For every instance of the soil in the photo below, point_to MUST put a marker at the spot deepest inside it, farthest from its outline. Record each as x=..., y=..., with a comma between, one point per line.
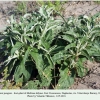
x=92, y=79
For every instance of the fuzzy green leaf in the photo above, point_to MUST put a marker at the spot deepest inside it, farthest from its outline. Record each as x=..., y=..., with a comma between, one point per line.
x=65, y=80
x=17, y=46
x=32, y=85
x=81, y=70
x=23, y=72
x=26, y=55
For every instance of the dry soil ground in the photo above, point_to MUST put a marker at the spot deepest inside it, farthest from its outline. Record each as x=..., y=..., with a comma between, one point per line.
x=92, y=79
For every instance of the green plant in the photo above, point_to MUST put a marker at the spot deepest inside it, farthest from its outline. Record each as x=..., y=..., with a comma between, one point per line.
x=56, y=5
x=29, y=46
x=97, y=1
x=56, y=49
x=21, y=7
x=8, y=84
